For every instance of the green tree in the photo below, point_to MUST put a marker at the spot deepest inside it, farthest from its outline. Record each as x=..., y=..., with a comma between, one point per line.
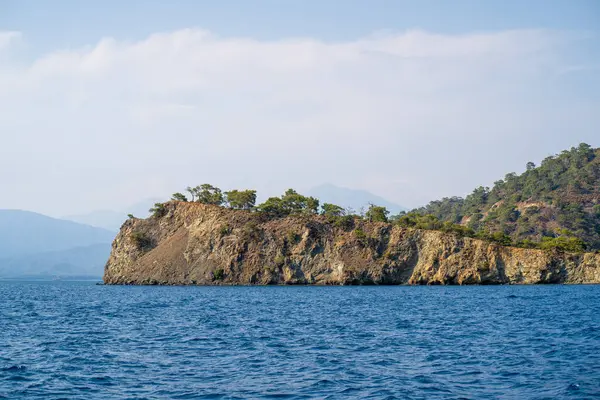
x=179, y=197
x=295, y=203
x=377, y=213
x=563, y=243
x=273, y=206
x=158, y=210
x=218, y=274
x=192, y=191
x=332, y=210
x=208, y=194
x=241, y=199
x=312, y=205
x=290, y=203
x=500, y=238
x=361, y=236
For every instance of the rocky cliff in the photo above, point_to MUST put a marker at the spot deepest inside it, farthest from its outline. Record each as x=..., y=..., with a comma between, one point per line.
x=192, y=243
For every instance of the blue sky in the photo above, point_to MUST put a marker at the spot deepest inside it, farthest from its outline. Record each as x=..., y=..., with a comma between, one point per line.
x=109, y=102
x=75, y=23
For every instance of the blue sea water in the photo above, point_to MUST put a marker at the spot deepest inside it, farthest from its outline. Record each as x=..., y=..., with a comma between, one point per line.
x=76, y=340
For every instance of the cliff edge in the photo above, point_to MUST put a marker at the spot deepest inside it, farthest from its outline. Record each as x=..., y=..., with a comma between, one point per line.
x=192, y=243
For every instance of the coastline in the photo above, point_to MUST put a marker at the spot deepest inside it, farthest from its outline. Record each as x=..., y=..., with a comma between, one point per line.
x=197, y=244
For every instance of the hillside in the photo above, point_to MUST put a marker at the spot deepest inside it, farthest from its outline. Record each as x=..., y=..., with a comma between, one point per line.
x=192, y=243
x=24, y=232
x=35, y=246
x=75, y=262
x=556, y=202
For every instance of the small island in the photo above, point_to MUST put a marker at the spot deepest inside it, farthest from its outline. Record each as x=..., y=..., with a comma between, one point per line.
x=542, y=226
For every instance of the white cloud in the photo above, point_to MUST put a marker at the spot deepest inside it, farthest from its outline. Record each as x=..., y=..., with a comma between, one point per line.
x=117, y=121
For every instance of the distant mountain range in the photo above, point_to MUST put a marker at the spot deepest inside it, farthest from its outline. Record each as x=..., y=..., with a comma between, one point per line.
x=111, y=219
x=352, y=198
x=33, y=244
x=87, y=261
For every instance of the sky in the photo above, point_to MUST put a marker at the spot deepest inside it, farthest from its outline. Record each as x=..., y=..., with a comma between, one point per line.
x=106, y=103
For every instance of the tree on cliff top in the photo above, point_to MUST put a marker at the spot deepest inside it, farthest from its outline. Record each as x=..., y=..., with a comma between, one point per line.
x=377, y=213
x=241, y=199
x=208, y=194
x=290, y=203
x=332, y=210
x=179, y=197
x=158, y=210
x=192, y=192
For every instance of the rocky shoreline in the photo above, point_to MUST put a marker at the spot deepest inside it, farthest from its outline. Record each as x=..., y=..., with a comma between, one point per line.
x=198, y=244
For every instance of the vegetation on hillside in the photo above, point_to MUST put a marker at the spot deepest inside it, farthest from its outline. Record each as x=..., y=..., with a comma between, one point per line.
x=292, y=203
x=555, y=205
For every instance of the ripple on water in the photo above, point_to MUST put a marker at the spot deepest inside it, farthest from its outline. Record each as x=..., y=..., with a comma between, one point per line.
x=79, y=340
x=14, y=368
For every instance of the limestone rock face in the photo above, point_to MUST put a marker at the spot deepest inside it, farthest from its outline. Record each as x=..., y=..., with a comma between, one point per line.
x=193, y=243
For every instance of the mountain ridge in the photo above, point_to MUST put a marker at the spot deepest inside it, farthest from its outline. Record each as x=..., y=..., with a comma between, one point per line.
x=26, y=232
x=33, y=243
x=77, y=261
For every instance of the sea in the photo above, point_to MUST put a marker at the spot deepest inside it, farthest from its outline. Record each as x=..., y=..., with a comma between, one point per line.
x=79, y=340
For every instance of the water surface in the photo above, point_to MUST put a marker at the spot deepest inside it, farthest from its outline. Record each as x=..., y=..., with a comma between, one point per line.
x=77, y=340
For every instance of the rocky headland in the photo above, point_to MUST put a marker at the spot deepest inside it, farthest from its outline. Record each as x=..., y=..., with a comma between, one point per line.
x=199, y=244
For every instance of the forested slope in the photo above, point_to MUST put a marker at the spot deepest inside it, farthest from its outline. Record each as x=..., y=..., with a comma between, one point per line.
x=557, y=202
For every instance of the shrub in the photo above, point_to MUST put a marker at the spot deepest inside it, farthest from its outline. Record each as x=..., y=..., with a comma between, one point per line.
x=279, y=260
x=344, y=222
x=414, y=220
x=251, y=231
x=531, y=210
x=158, y=210
x=496, y=237
x=528, y=244
x=460, y=230
x=293, y=237
x=224, y=230
x=141, y=240
x=218, y=274
x=562, y=243
x=361, y=236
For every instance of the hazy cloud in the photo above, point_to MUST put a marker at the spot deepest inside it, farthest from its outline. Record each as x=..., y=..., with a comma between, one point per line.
x=410, y=116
